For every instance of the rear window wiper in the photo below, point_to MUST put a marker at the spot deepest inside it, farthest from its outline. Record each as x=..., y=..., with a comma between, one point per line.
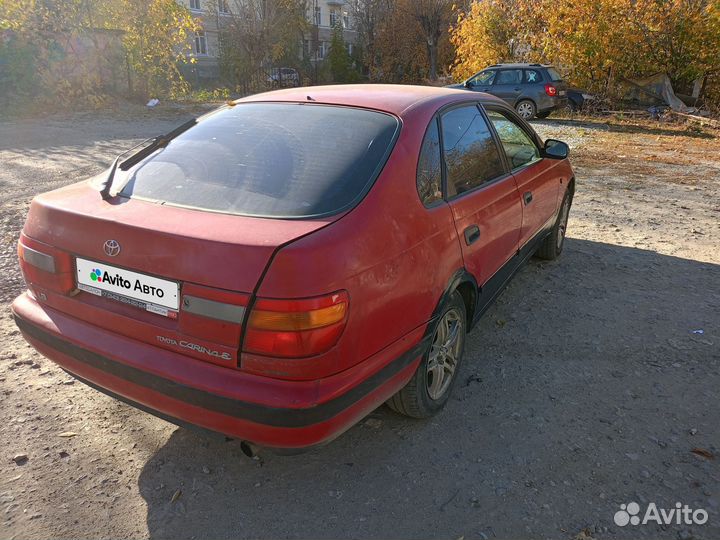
x=155, y=143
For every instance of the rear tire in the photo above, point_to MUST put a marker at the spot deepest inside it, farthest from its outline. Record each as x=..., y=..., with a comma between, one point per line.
x=526, y=109
x=552, y=246
x=431, y=385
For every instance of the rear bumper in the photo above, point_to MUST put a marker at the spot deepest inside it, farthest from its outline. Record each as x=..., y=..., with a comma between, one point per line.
x=267, y=412
x=548, y=103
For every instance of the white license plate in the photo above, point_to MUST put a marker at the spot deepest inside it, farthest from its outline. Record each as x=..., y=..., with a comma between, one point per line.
x=140, y=290
x=562, y=92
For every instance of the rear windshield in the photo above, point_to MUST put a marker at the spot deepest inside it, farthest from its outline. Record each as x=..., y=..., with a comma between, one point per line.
x=554, y=75
x=270, y=159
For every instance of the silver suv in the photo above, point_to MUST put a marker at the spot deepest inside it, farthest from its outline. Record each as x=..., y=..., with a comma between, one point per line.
x=535, y=90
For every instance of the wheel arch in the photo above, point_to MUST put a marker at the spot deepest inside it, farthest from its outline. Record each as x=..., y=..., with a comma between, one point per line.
x=463, y=282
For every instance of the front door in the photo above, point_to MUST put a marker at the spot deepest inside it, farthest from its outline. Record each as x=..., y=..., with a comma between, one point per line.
x=537, y=182
x=481, y=192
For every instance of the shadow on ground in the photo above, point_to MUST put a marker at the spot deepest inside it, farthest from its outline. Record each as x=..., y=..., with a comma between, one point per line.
x=608, y=125
x=578, y=393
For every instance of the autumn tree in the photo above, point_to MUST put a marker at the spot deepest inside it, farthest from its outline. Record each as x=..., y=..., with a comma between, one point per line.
x=157, y=39
x=433, y=18
x=152, y=38
x=597, y=43
x=260, y=33
x=368, y=16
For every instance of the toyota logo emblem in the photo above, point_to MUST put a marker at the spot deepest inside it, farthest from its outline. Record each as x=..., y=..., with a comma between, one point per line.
x=112, y=248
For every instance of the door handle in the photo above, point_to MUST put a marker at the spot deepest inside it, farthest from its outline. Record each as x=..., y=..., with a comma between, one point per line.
x=527, y=197
x=472, y=234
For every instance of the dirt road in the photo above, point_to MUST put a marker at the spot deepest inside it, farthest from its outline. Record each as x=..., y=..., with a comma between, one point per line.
x=586, y=386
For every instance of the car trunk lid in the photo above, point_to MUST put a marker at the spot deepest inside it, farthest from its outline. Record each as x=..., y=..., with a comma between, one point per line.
x=215, y=261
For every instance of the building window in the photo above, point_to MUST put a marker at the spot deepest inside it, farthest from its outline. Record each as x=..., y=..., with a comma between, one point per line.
x=223, y=6
x=200, y=44
x=322, y=49
x=318, y=16
x=333, y=17
x=195, y=5
x=346, y=21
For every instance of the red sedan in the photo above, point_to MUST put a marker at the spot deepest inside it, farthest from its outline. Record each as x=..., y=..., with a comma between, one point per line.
x=278, y=268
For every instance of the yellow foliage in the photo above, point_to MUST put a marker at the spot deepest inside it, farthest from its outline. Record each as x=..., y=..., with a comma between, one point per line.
x=595, y=42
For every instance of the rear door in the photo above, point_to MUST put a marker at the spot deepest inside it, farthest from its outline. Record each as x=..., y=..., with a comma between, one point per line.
x=481, y=192
x=537, y=181
x=508, y=85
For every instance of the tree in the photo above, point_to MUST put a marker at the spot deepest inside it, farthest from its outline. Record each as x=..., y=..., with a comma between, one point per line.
x=157, y=39
x=485, y=35
x=340, y=63
x=433, y=18
x=152, y=34
x=259, y=34
x=368, y=15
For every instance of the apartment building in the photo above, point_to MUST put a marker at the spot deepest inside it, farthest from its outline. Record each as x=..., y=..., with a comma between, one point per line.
x=322, y=15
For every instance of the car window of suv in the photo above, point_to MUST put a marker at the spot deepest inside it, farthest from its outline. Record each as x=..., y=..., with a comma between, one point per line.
x=554, y=75
x=532, y=76
x=519, y=147
x=429, y=171
x=483, y=78
x=509, y=76
x=471, y=155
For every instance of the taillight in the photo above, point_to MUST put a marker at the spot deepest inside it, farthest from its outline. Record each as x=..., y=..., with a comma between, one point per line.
x=550, y=90
x=45, y=265
x=296, y=328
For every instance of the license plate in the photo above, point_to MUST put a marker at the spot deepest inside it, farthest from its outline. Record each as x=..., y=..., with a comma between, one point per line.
x=562, y=92
x=140, y=290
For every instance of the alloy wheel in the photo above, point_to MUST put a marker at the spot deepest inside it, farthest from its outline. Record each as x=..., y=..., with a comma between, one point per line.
x=562, y=225
x=444, y=354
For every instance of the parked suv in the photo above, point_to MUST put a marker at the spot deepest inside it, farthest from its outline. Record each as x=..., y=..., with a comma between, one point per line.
x=277, y=269
x=534, y=90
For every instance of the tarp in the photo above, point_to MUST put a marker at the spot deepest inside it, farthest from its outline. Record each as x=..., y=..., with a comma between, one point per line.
x=656, y=89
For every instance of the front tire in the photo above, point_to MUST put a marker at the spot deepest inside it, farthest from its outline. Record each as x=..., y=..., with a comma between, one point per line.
x=552, y=246
x=526, y=109
x=430, y=387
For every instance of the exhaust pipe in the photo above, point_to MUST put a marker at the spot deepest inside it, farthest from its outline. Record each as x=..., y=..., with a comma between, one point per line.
x=249, y=449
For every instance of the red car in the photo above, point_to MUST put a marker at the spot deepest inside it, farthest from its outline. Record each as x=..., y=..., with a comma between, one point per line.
x=278, y=268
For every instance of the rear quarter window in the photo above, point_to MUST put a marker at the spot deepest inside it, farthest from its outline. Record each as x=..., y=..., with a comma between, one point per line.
x=270, y=160
x=554, y=75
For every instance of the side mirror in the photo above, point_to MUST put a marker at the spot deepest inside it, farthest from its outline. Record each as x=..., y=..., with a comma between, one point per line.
x=555, y=149
x=469, y=84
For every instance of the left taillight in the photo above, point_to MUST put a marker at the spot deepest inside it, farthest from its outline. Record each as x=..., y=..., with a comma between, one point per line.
x=296, y=328
x=45, y=266
x=550, y=90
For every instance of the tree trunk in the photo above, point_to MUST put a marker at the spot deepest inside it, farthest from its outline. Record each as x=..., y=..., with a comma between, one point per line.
x=432, y=55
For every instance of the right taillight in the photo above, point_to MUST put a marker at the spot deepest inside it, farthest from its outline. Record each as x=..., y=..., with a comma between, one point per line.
x=550, y=90
x=296, y=328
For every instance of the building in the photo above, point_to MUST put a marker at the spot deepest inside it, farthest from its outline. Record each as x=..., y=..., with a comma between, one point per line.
x=322, y=15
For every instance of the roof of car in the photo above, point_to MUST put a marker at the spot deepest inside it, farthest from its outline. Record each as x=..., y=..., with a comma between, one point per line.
x=392, y=98
x=519, y=65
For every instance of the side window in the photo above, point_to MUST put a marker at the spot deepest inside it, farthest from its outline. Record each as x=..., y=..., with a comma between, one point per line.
x=509, y=76
x=483, y=78
x=519, y=147
x=471, y=156
x=532, y=76
x=429, y=172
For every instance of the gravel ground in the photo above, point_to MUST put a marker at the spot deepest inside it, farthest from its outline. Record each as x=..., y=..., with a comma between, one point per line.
x=586, y=386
